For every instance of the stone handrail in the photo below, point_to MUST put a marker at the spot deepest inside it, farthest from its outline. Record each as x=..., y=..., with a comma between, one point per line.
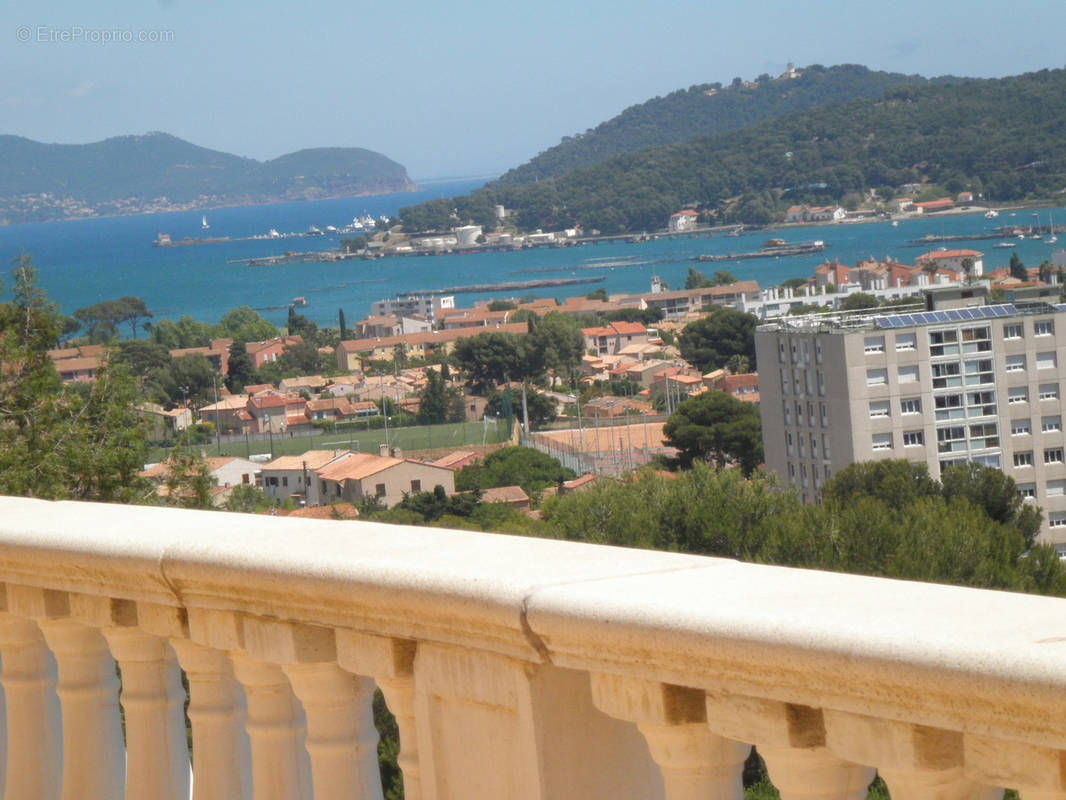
x=516, y=668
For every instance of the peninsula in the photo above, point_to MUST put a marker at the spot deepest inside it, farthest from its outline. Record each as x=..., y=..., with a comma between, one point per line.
x=158, y=172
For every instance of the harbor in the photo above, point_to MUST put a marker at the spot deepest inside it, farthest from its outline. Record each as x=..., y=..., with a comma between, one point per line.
x=775, y=248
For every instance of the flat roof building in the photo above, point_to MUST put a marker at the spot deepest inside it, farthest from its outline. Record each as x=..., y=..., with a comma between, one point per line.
x=941, y=387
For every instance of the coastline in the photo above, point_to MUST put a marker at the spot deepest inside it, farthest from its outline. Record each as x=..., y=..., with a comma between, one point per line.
x=185, y=208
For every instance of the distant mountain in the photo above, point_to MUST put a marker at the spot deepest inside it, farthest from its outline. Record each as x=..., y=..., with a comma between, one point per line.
x=156, y=171
x=708, y=109
x=1001, y=137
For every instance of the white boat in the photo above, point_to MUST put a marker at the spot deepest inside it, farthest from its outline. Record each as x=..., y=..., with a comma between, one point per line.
x=1052, y=238
x=313, y=231
x=991, y=213
x=273, y=234
x=331, y=229
x=204, y=224
x=895, y=223
x=1004, y=244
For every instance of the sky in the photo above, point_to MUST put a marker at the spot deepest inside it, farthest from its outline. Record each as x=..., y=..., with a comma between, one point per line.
x=453, y=89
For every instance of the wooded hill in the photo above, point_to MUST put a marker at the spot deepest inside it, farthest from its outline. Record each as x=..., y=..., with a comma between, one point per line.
x=134, y=170
x=708, y=109
x=1001, y=137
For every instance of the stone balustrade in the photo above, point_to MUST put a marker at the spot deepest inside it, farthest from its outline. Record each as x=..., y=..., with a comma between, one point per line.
x=516, y=668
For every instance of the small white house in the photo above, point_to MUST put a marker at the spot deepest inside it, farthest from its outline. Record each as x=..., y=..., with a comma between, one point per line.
x=683, y=220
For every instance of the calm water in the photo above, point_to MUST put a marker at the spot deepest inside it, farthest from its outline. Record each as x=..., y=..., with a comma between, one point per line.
x=84, y=262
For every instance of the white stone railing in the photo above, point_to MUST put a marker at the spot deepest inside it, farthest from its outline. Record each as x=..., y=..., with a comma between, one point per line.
x=516, y=668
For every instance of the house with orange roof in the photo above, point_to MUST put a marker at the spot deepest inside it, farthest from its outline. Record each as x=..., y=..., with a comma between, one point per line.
x=277, y=412
x=610, y=340
x=456, y=460
x=293, y=476
x=474, y=318
x=952, y=260
x=217, y=353
x=271, y=349
x=360, y=476
x=418, y=345
x=832, y=273
x=744, y=387
x=932, y=206
x=226, y=471
x=682, y=221
x=229, y=413
x=311, y=383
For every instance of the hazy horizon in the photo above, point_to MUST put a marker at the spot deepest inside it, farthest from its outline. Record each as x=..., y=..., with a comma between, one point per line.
x=451, y=91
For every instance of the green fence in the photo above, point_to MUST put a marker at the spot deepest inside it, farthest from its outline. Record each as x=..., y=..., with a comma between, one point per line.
x=364, y=440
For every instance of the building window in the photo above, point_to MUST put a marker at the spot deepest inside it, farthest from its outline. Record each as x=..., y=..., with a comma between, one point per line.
x=947, y=375
x=1053, y=455
x=1019, y=427
x=825, y=447
x=984, y=436
x=1051, y=424
x=1049, y=391
x=1023, y=459
x=814, y=446
x=1012, y=330
x=284, y=481
x=943, y=343
x=825, y=415
x=1046, y=360
x=1016, y=363
x=821, y=383
x=906, y=341
x=949, y=406
x=828, y=473
x=818, y=352
x=1056, y=488
x=913, y=438
x=788, y=413
x=1027, y=490
x=416, y=487
x=910, y=405
x=788, y=444
x=1057, y=520
x=379, y=490
x=876, y=377
x=951, y=440
x=1018, y=394
x=879, y=408
x=874, y=345
x=882, y=441
x=908, y=374
x=781, y=352
x=1044, y=327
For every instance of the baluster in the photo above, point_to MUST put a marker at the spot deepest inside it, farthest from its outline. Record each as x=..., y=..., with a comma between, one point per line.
x=1038, y=773
x=391, y=663
x=915, y=761
x=93, y=754
x=34, y=732
x=276, y=732
x=696, y=764
x=221, y=757
x=341, y=737
x=791, y=740
x=157, y=756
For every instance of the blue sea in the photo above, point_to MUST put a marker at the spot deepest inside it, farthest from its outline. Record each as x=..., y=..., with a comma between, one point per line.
x=87, y=261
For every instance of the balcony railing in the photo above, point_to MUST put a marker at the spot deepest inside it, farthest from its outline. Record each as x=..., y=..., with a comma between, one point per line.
x=516, y=668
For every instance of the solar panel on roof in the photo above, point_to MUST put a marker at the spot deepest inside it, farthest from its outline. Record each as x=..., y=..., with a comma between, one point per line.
x=882, y=322
x=966, y=313
x=954, y=315
x=899, y=322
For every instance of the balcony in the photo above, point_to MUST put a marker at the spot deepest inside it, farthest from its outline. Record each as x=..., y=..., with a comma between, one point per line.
x=516, y=668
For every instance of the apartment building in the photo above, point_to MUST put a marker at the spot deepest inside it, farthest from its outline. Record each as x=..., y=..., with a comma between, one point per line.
x=953, y=384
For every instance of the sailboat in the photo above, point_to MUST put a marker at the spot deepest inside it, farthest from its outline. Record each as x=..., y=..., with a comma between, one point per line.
x=204, y=224
x=1052, y=238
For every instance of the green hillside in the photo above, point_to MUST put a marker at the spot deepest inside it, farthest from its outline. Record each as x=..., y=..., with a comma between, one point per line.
x=1001, y=137
x=705, y=110
x=122, y=174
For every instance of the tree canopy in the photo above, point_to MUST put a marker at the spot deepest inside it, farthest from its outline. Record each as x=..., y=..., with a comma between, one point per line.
x=716, y=427
x=708, y=343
